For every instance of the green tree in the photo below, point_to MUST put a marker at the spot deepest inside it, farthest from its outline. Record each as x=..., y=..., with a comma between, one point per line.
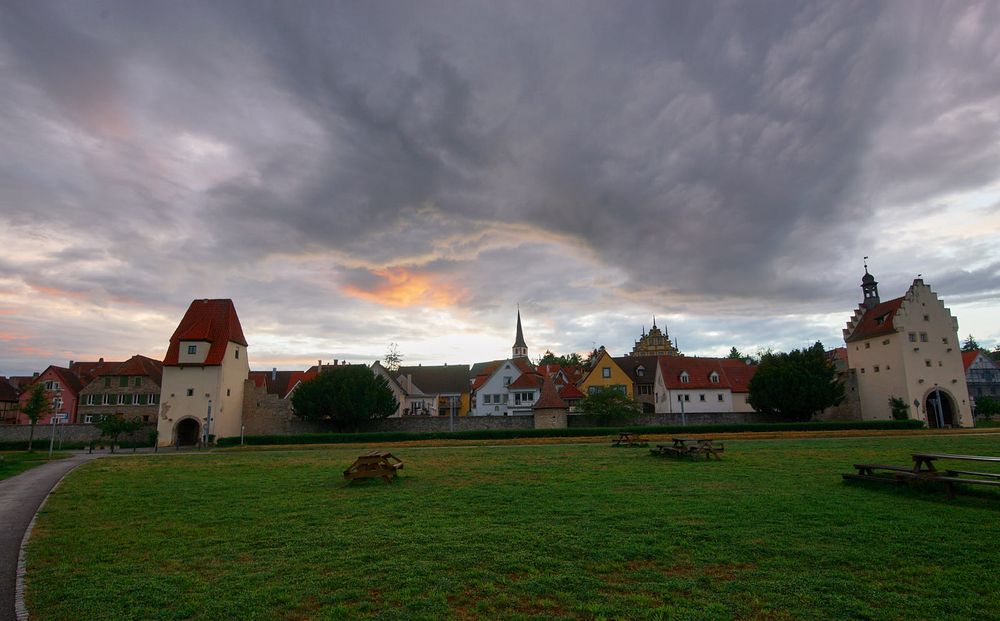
x=795, y=385
x=734, y=354
x=900, y=409
x=987, y=407
x=995, y=354
x=114, y=425
x=392, y=358
x=593, y=356
x=609, y=405
x=345, y=397
x=569, y=360
x=35, y=407
x=970, y=344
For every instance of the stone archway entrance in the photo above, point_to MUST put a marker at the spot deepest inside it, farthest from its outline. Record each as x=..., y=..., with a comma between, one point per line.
x=187, y=432
x=948, y=411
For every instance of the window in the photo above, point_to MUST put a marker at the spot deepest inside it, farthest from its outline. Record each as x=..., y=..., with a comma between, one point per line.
x=913, y=337
x=640, y=371
x=687, y=397
x=154, y=399
x=89, y=418
x=227, y=392
x=862, y=370
x=124, y=399
x=123, y=381
x=868, y=345
x=107, y=382
x=885, y=342
x=138, y=382
x=145, y=418
x=927, y=363
x=645, y=389
x=685, y=377
x=237, y=352
x=923, y=337
x=714, y=377
x=506, y=380
x=606, y=372
x=141, y=399
x=927, y=317
x=192, y=349
x=876, y=368
x=190, y=392
x=51, y=385
x=57, y=403
x=720, y=397
x=701, y=397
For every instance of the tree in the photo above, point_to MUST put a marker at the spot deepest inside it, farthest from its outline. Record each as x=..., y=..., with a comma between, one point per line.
x=995, y=354
x=392, y=357
x=987, y=407
x=734, y=354
x=593, y=356
x=346, y=397
x=795, y=385
x=35, y=407
x=900, y=409
x=569, y=360
x=970, y=344
x=609, y=405
x=113, y=425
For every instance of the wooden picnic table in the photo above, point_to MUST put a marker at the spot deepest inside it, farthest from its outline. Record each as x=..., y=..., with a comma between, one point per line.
x=374, y=464
x=924, y=470
x=628, y=438
x=690, y=447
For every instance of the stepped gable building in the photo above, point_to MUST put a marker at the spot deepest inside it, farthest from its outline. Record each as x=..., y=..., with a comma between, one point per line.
x=908, y=347
x=654, y=343
x=129, y=389
x=204, y=372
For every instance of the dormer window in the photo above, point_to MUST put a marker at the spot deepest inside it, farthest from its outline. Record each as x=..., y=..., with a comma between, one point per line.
x=192, y=350
x=685, y=378
x=714, y=377
x=640, y=371
x=881, y=319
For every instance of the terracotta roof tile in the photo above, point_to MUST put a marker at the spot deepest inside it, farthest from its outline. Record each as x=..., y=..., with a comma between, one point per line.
x=968, y=357
x=570, y=391
x=214, y=321
x=876, y=321
x=527, y=380
x=699, y=372
x=549, y=398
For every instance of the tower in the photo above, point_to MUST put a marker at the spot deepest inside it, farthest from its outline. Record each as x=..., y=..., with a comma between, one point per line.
x=520, y=350
x=870, y=288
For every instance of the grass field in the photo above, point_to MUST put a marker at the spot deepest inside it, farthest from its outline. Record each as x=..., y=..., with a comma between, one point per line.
x=16, y=462
x=518, y=532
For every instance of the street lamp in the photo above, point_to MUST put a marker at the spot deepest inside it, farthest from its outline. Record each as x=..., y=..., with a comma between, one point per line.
x=208, y=423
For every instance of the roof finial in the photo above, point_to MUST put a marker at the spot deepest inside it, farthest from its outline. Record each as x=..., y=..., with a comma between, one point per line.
x=866, y=264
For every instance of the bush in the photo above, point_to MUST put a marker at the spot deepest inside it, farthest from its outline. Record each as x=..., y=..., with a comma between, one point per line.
x=503, y=434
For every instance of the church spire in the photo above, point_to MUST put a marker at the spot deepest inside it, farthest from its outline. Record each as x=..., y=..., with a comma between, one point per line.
x=870, y=288
x=520, y=349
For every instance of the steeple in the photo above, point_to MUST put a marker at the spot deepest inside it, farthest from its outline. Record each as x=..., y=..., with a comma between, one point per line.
x=870, y=288
x=520, y=349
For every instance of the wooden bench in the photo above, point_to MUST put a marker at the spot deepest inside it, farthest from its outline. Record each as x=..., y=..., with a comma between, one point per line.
x=690, y=447
x=374, y=464
x=627, y=438
x=923, y=470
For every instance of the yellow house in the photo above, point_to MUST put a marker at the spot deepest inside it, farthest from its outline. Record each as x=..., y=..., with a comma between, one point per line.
x=605, y=373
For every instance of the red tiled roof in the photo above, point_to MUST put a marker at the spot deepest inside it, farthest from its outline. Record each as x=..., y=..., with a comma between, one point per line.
x=570, y=391
x=738, y=373
x=699, y=372
x=214, y=321
x=67, y=379
x=968, y=357
x=478, y=382
x=524, y=365
x=7, y=390
x=137, y=365
x=876, y=321
x=88, y=370
x=527, y=380
x=549, y=398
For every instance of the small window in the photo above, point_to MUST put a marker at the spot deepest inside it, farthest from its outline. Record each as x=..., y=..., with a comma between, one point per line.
x=685, y=377
x=237, y=352
x=944, y=340
x=720, y=397
x=687, y=397
x=885, y=342
x=506, y=380
x=875, y=368
x=145, y=418
x=606, y=372
x=123, y=381
x=640, y=371
x=89, y=418
x=923, y=337
x=154, y=399
x=927, y=363
x=913, y=337
x=142, y=399
x=862, y=370
x=714, y=377
x=868, y=345
x=227, y=392
x=107, y=382
x=138, y=382
x=701, y=397
x=190, y=392
x=680, y=397
x=192, y=349
x=109, y=399
x=927, y=317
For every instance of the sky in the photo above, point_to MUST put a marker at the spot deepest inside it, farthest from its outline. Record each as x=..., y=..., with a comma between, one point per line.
x=362, y=173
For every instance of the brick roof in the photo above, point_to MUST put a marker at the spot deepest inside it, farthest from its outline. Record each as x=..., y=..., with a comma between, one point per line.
x=738, y=373
x=570, y=391
x=67, y=379
x=7, y=390
x=630, y=365
x=279, y=385
x=968, y=357
x=876, y=321
x=137, y=365
x=527, y=380
x=214, y=321
x=88, y=370
x=549, y=398
x=699, y=372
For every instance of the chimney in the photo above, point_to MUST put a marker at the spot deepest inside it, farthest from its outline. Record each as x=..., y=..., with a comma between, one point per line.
x=71, y=364
x=319, y=365
x=100, y=359
x=334, y=362
x=274, y=373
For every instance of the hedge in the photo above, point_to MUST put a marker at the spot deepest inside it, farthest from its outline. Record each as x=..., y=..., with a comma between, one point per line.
x=500, y=434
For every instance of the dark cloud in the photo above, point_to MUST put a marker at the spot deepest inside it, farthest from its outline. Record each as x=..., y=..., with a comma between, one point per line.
x=727, y=161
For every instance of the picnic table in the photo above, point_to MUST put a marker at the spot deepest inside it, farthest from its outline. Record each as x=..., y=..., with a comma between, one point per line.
x=374, y=464
x=690, y=447
x=628, y=438
x=924, y=470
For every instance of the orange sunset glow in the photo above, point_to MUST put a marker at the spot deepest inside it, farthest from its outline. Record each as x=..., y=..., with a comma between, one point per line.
x=402, y=287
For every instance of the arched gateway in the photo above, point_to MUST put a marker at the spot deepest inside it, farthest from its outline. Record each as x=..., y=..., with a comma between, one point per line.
x=187, y=432
x=943, y=417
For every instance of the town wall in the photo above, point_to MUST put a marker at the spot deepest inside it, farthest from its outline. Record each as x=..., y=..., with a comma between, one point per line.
x=68, y=433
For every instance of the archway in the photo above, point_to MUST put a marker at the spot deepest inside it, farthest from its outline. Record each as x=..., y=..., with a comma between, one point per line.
x=187, y=432
x=946, y=417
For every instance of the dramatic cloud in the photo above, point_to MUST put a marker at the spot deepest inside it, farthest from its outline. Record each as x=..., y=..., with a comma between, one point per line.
x=358, y=173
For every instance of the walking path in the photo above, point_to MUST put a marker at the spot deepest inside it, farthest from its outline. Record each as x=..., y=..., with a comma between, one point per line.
x=20, y=497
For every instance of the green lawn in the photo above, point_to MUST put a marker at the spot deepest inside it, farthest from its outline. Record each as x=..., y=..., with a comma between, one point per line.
x=518, y=532
x=16, y=462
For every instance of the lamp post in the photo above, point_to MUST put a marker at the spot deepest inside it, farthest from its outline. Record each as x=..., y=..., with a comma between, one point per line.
x=208, y=423
x=683, y=416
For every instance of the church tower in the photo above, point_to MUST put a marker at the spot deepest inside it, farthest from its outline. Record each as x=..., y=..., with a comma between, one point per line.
x=520, y=350
x=870, y=288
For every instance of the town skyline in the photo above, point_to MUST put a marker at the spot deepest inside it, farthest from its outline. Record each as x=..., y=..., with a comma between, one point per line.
x=355, y=175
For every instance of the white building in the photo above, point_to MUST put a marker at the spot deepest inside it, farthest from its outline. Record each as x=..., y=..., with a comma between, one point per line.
x=908, y=348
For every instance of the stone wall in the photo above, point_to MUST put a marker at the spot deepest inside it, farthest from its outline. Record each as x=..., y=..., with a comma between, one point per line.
x=461, y=423
x=265, y=415
x=850, y=408
x=691, y=418
x=70, y=433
